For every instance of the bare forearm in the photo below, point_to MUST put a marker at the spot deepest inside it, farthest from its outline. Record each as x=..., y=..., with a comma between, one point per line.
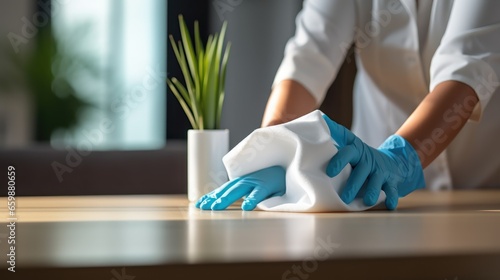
x=438, y=119
x=289, y=100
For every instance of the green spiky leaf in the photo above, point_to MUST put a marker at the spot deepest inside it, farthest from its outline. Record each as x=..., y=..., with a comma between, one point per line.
x=204, y=71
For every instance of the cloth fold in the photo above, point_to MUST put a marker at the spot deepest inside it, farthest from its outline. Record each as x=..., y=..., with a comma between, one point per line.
x=303, y=147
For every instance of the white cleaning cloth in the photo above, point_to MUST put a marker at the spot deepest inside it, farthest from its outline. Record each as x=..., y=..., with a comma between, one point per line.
x=303, y=147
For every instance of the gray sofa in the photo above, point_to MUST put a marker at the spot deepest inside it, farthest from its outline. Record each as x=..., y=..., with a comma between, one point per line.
x=98, y=173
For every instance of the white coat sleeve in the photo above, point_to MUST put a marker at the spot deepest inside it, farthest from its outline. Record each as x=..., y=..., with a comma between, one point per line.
x=324, y=33
x=470, y=50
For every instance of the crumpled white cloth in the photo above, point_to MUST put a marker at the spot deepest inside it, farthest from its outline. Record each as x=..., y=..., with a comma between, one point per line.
x=303, y=147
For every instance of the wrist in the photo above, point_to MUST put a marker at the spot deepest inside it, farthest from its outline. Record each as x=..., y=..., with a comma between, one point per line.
x=274, y=121
x=407, y=159
x=288, y=101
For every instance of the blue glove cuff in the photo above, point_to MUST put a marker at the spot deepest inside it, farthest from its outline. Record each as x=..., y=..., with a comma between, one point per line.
x=409, y=163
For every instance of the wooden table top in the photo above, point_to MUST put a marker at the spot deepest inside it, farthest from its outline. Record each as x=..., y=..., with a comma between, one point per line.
x=158, y=231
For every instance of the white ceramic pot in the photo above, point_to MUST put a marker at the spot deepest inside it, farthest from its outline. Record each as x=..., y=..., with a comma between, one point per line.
x=206, y=171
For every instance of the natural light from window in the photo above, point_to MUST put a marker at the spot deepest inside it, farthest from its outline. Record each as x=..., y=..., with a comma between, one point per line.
x=126, y=42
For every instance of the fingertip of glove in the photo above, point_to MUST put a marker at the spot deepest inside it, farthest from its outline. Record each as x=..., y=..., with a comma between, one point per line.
x=205, y=205
x=369, y=200
x=391, y=203
x=217, y=205
x=199, y=202
x=247, y=206
x=345, y=198
x=331, y=170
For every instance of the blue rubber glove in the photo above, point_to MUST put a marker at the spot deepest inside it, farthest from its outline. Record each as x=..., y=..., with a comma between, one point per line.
x=394, y=167
x=256, y=186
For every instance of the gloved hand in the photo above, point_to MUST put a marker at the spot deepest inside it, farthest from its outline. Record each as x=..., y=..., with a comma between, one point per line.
x=256, y=186
x=393, y=168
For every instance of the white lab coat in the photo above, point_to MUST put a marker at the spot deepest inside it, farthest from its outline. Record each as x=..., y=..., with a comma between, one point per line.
x=402, y=53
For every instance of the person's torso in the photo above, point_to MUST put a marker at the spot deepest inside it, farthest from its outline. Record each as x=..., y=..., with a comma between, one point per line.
x=395, y=43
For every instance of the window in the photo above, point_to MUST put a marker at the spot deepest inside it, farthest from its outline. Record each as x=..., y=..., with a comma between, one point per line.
x=125, y=41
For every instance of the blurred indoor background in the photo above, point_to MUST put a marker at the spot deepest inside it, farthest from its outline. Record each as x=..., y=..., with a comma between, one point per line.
x=90, y=75
x=71, y=66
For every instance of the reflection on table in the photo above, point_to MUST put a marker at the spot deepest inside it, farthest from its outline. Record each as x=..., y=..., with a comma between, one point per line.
x=166, y=234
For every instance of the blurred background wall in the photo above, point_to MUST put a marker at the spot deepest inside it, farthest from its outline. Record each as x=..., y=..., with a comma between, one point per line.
x=71, y=67
x=94, y=70
x=258, y=30
x=82, y=85
x=119, y=45
x=16, y=108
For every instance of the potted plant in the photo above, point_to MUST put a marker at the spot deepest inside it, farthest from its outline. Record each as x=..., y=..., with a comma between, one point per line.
x=201, y=97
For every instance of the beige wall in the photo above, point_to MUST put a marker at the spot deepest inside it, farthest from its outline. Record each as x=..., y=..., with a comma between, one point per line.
x=258, y=30
x=16, y=120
